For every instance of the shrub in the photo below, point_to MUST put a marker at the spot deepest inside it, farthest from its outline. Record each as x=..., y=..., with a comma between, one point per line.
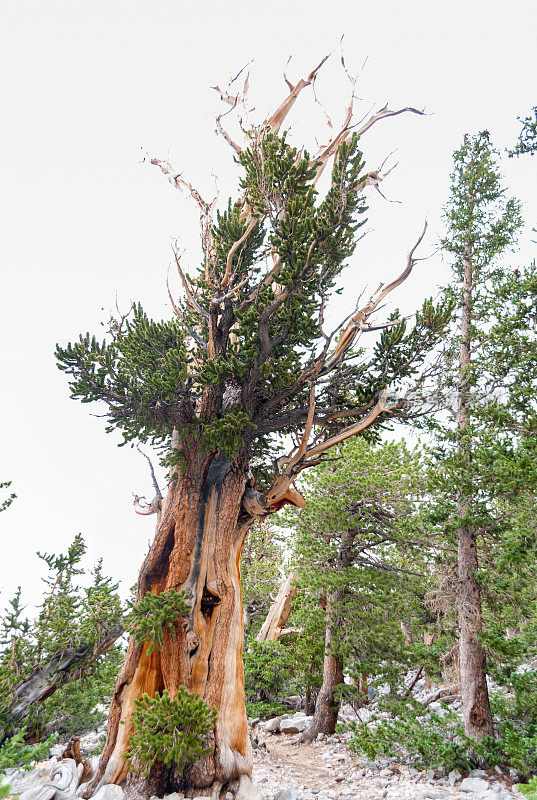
x=431, y=741
x=5, y=790
x=428, y=739
x=70, y=616
x=529, y=789
x=169, y=731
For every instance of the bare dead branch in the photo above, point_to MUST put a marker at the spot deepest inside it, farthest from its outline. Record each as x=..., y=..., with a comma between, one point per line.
x=280, y=491
x=358, y=321
x=222, y=131
x=190, y=299
x=158, y=493
x=233, y=250
x=324, y=156
x=383, y=113
x=273, y=123
x=206, y=209
x=197, y=338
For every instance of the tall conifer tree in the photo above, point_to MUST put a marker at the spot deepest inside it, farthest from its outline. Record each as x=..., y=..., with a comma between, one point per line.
x=482, y=227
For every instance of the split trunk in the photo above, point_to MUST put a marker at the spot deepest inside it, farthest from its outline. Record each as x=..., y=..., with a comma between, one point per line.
x=197, y=549
x=274, y=625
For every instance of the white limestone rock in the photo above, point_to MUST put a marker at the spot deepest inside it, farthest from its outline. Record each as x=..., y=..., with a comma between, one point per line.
x=295, y=724
x=475, y=785
x=453, y=777
x=272, y=725
x=110, y=791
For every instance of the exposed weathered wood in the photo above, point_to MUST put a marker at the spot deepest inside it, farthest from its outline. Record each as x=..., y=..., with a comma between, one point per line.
x=62, y=783
x=197, y=549
x=72, y=751
x=274, y=625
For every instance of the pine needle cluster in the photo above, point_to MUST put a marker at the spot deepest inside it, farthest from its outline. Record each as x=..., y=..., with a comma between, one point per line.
x=168, y=731
x=155, y=612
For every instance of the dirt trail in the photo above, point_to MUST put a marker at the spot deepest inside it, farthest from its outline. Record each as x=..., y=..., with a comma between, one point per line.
x=301, y=764
x=327, y=770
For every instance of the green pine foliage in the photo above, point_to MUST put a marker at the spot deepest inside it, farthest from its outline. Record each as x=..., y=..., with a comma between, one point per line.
x=6, y=501
x=152, y=375
x=262, y=559
x=72, y=615
x=529, y=789
x=268, y=677
x=527, y=138
x=170, y=732
x=15, y=752
x=305, y=649
x=153, y=613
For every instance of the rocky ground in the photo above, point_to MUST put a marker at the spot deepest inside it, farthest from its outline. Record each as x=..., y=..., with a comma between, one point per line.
x=326, y=770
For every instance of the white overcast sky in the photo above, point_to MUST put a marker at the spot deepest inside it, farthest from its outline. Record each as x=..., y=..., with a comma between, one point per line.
x=88, y=88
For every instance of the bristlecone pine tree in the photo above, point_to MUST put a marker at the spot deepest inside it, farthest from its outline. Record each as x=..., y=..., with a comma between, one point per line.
x=245, y=360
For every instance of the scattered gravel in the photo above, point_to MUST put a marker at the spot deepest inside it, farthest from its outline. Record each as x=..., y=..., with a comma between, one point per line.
x=326, y=770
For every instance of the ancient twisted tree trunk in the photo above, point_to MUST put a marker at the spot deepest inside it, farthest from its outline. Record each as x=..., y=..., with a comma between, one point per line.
x=197, y=549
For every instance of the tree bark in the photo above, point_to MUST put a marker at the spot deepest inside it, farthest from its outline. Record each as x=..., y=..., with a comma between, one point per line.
x=472, y=659
x=197, y=549
x=308, y=705
x=327, y=706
